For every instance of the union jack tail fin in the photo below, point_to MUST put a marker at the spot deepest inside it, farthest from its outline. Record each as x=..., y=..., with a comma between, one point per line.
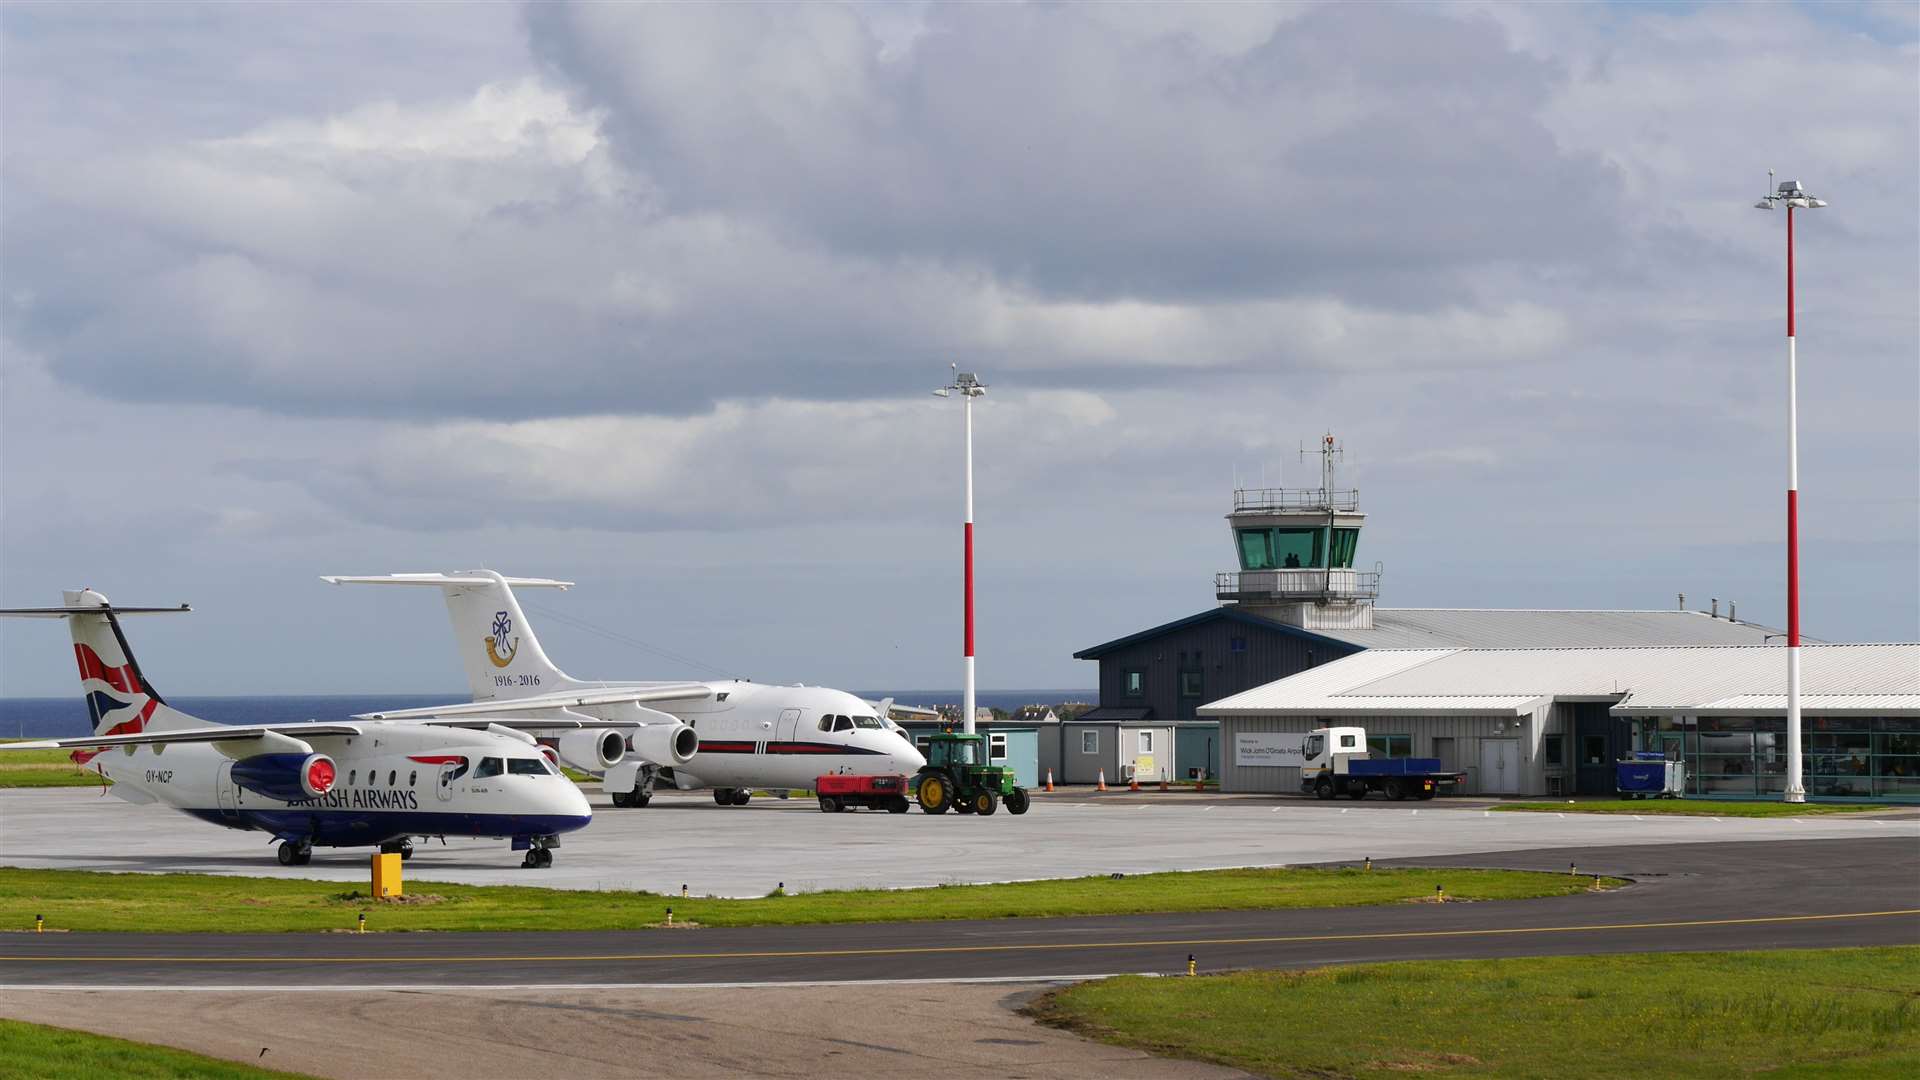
x=119, y=699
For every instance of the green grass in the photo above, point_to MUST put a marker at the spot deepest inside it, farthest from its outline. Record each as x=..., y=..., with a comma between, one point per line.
x=83, y=900
x=43, y=768
x=50, y=1053
x=1691, y=807
x=1834, y=1012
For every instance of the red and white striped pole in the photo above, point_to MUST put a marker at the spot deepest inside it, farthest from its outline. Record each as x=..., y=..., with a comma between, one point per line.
x=1793, y=196
x=968, y=386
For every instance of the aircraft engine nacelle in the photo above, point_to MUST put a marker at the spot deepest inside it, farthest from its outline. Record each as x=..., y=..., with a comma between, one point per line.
x=593, y=751
x=665, y=744
x=286, y=777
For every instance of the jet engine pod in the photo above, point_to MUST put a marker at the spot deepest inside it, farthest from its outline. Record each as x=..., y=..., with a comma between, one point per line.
x=286, y=777
x=665, y=744
x=593, y=751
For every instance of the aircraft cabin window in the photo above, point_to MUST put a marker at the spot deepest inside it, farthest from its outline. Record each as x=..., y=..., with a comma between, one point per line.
x=352, y=775
x=413, y=778
x=489, y=766
x=392, y=775
x=528, y=766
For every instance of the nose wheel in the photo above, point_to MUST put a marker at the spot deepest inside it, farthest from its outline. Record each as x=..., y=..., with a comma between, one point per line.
x=540, y=854
x=295, y=853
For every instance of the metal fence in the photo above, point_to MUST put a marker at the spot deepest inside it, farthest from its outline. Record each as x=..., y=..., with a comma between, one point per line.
x=1302, y=584
x=1287, y=500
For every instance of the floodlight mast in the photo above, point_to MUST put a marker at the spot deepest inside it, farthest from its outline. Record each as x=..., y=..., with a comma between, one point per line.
x=1791, y=195
x=968, y=386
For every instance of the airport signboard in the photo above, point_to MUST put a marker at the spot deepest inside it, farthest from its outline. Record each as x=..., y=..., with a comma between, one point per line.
x=1275, y=749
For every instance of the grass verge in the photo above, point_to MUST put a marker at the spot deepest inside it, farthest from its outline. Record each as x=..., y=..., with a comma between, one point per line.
x=1832, y=1013
x=38, y=1052
x=83, y=900
x=1692, y=808
x=43, y=768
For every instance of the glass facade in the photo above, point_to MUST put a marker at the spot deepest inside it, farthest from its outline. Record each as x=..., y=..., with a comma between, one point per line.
x=1287, y=549
x=1842, y=757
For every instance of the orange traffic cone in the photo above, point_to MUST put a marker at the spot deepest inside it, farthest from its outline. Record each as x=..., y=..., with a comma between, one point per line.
x=1134, y=784
x=1049, y=779
x=1163, y=783
x=1102, y=785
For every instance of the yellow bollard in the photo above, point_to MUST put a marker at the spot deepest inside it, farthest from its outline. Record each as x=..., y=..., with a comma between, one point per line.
x=1570, y=871
x=1440, y=893
x=39, y=923
x=363, y=922
x=669, y=916
x=1193, y=966
x=683, y=892
x=386, y=875
x=1369, y=863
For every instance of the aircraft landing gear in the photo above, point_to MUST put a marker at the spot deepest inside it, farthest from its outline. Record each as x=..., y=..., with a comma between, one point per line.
x=539, y=852
x=642, y=792
x=295, y=853
x=740, y=796
x=729, y=796
x=402, y=848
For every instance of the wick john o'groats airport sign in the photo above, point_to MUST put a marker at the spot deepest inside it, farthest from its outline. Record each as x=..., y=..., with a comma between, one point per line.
x=1269, y=748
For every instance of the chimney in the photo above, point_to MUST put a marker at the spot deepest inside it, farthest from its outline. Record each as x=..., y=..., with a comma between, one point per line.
x=1730, y=609
x=1716, y=607
x=1683, y=601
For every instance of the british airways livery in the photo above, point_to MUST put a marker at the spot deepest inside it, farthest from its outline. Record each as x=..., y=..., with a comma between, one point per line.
x=357, y=784
x=729, y=735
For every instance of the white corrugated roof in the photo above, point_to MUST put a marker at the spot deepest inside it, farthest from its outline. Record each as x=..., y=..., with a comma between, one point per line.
x=1854, y=678
x=1505, y=628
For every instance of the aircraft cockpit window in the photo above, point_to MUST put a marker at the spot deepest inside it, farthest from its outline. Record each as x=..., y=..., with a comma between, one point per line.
x=489, y=766
x=531, y=766
x=842, y=723
x=867, y=722
x=826, y=722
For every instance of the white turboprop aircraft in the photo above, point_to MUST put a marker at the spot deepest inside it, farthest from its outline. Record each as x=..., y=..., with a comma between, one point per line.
x=729, y=735
x=333, y=785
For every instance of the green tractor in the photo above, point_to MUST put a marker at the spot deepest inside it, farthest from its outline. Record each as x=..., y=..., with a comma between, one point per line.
x=957, y=777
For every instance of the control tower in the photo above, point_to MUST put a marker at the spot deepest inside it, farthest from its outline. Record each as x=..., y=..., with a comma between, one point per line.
x=1296, y=548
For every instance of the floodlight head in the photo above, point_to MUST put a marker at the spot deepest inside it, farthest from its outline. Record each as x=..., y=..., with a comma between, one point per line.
x=1790, y=188
x=966, y=380
x=943, y=391
x=1763, y=204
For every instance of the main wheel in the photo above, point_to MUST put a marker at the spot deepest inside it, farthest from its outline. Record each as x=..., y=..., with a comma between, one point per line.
x=723, y=795
x=639, y=799
x=406, y=851
x=828, y=804
x=986, y=803
x=622, y=799
x=741, y=795
x=1396, y=790
x=1018, y=801
x=1323, y=789
x=934, y=794
x=288, y=854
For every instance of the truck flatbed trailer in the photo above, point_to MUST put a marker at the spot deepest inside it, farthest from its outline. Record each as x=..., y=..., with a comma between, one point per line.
x=1336, y=764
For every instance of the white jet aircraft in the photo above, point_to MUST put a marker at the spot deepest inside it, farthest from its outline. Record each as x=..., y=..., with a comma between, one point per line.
x=730, y=735
x=333, y=785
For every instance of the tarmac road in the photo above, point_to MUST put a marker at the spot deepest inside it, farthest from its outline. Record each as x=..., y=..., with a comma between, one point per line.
x=1781, y=894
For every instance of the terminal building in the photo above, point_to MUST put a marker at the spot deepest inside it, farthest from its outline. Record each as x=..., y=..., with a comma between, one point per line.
x=1299, y=599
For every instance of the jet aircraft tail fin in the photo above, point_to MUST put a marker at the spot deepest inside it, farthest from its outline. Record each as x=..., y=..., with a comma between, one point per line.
x=502, y=657
x=119, y=698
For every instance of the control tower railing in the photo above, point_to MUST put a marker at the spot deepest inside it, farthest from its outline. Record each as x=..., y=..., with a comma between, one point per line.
x=1294, y=500
x=1308, y=583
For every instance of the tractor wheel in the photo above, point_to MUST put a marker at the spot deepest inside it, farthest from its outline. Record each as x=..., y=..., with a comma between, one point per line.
x=1323, y=789
x=935, y=794
x=828, y=804
x=1018, y=801
x=986, y=803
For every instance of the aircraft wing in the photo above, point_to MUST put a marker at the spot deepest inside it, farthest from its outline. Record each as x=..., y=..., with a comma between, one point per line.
x=528, y=723
x=637, y=695
x=238, y=733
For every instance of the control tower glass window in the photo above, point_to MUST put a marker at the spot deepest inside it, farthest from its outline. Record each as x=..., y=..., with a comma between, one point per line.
x=1345, y=541
x=1281, y=549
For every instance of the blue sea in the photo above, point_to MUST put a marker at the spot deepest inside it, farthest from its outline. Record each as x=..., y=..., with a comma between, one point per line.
x=66, y=717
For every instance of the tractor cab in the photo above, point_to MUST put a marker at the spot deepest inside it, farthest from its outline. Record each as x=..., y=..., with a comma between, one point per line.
x=948, y=750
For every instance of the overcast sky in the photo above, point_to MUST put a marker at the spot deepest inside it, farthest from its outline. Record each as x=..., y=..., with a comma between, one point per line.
x=652, y=297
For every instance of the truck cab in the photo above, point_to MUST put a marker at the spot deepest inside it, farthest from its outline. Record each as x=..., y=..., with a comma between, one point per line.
x=1325, y=745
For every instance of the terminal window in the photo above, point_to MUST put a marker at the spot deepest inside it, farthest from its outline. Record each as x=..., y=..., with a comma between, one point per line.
x=1089, y=742
x=1189, y=684
x=1390, y=745
x=1136, y=682
x=1553, y=749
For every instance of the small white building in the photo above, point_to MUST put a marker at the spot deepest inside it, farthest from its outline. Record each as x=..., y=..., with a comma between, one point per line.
x=1554, y=721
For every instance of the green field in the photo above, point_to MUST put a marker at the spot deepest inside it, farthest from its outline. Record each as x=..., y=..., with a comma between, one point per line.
x=1851, y=1013
x=37, y=1052
x=82, y=900
x=1691, y=807
x=43, y=768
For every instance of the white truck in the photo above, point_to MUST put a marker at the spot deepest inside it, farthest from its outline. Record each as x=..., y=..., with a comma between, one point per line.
x=1337, y=763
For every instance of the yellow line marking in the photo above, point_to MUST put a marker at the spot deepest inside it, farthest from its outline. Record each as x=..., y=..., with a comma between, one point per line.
x=913, y=950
